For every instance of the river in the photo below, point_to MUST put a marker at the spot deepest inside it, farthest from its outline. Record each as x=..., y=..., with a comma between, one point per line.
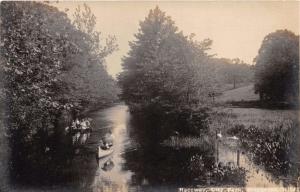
x=132, y=167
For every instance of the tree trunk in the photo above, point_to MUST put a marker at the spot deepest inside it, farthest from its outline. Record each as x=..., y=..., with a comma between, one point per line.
x=234, y=83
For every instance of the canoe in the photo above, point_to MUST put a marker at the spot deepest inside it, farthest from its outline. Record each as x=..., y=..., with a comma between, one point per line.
x=103, y=153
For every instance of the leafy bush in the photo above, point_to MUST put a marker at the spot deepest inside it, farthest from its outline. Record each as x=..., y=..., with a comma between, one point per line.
x=211, y=174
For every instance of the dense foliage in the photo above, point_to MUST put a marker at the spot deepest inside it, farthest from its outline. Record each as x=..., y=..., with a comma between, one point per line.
x=277, y=148
x=277, y=67
x=167, y=74
x=49, y=68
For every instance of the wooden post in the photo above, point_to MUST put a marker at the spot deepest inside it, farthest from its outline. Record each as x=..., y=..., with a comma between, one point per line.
x=238, y=158
x=217, y=146
x=217, y=151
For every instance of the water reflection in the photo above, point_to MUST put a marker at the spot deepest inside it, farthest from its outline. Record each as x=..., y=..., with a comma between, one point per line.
x=140, y=163
x=256, y=175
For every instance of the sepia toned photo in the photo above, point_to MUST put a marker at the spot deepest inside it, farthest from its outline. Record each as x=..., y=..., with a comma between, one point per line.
x=149, y=96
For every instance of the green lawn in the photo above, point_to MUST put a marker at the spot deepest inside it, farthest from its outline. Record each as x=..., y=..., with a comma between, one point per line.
x=226, y=118
x=245, y=93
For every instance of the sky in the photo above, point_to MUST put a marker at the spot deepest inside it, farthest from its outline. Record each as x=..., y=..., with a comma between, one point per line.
x=237, y=28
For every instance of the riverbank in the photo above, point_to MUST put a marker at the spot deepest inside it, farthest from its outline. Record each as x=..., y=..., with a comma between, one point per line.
x=268, y=133
x=251, y=139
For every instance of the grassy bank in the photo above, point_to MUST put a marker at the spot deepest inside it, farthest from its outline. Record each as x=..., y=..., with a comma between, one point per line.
x=227, y=118
x=241, y=93
x=202, y=142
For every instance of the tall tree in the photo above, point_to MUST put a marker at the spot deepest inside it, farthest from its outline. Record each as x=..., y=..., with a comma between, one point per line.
x=87, y=81
x=277, y=67
x=34, y=48
x=165, y=71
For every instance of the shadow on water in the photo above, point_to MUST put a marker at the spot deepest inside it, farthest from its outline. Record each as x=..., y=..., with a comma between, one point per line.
x=154, y=164
x=276, y=151
x=67, y=164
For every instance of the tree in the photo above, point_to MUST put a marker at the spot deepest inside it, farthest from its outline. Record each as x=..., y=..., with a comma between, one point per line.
x=277, y=67
x=46, y=63
x=87, y=81
x=34, y=48
x=166, y=72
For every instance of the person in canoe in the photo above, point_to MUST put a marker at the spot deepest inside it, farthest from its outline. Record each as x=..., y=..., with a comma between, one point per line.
x=108, y=138
x=105, y=147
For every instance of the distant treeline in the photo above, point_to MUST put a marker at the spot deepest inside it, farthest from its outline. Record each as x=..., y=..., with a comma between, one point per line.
x=50, y=66
x=231, y=73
